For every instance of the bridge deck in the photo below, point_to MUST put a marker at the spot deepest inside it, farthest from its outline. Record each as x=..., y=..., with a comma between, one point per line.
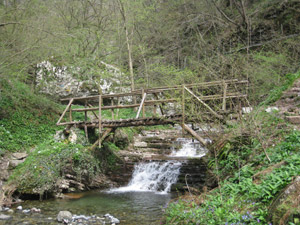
x=148, y=121
x=203, y=100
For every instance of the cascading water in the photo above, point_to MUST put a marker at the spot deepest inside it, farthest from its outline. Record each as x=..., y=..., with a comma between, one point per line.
x=153, y=176
x=159, y=176
x=189, y=149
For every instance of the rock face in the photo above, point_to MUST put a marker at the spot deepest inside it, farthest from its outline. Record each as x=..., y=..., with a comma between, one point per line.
x=285, y=208
x=74, y=136
x=73, y=81
x=156, y=146
x=64, y=216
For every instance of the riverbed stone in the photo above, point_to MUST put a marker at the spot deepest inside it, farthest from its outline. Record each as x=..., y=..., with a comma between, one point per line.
x=5, y=217
x=11, y=211
x=26, y=211
x=64, y=216
x=35, y=210
x=19, y=155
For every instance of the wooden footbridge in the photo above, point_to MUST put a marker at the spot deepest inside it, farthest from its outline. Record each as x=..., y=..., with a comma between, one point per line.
x=158, y=106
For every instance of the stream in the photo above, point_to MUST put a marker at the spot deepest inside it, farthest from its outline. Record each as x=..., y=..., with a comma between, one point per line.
x=140, y=202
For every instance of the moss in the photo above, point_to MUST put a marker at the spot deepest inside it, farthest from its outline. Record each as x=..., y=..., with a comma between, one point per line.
x=48, y=163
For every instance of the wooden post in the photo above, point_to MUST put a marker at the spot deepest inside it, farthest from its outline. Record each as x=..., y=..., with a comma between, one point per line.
x=143, y=105
x=70, y=113
x=100, y=104
x=118, y=103
x=183, y=108
x=85, y=112
x=85, y=120
x=112, y=110
x=224, y=96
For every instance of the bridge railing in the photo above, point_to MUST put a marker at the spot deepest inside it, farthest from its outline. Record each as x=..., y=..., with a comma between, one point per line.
x=192, y=101
x=212, y=96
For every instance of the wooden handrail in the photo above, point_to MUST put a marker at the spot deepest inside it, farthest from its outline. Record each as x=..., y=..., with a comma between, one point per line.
x=159, y=89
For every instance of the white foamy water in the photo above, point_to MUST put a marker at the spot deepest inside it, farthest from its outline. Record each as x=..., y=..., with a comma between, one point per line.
x=189, y=149
x=159, y=176
x=152, y=176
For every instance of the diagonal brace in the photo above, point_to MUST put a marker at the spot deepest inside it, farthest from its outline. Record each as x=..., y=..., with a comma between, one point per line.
x=203, y=103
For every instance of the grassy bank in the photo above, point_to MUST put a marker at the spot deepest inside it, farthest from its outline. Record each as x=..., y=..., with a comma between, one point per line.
x=254, y=162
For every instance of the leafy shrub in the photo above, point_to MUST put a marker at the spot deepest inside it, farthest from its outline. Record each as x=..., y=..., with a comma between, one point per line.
x=239, y=200
x=48, y=162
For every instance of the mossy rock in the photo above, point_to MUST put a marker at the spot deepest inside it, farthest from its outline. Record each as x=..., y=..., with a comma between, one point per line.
x=285, y=208
x=121, y=139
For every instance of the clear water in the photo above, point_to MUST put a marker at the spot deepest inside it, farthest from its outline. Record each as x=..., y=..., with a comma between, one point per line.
x=130, y=208
x=140, y=202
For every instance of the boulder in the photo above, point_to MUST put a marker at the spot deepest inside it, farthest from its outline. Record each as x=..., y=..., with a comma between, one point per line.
x=19, y=155
x=64, y=216
x=15, y=162
x=5, y=217
x=285, y=208
x=121, y=139
x=77, y=136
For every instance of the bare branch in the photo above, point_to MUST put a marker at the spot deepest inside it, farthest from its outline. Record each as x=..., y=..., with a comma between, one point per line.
x=223, y=14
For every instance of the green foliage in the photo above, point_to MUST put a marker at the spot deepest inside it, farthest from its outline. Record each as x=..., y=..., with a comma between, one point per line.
x=276, y=92
x=48, y=163
x=240, y=200
x=26, y=118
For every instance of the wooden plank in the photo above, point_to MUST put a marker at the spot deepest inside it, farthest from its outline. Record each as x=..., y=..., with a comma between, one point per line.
x=86, y=132
x=183, y=107
x=112, y=110
x=70, y=113
x=160, y=89
x=153, y=102
x=192, y=132
x=99, y=119
x=141, y=105
x=203, y=103
x=224, y=96
x=66, y=109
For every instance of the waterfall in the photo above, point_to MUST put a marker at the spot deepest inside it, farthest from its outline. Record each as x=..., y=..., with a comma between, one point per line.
x=155, y=176
x=189, y=149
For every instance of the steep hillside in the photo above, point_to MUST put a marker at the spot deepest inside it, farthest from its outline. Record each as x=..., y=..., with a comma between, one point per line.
x=257, y=165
